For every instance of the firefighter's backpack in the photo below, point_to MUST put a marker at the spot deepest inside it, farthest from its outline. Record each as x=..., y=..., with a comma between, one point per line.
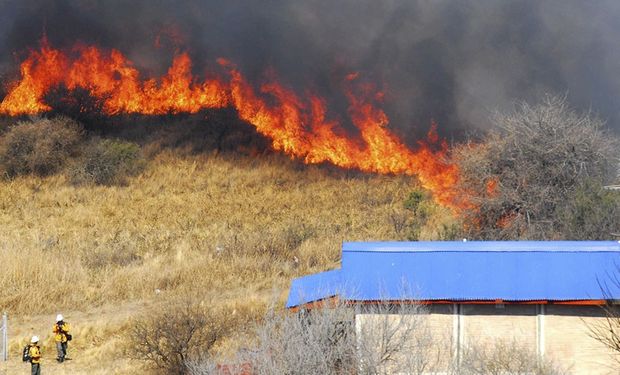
x=26, y=354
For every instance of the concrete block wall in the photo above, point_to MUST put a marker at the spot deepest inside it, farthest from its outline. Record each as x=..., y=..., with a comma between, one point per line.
x=568, y=340
x=557, y=332
x=486, y=323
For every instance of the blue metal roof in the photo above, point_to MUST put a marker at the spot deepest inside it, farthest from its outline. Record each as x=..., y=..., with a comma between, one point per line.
x=465, y=271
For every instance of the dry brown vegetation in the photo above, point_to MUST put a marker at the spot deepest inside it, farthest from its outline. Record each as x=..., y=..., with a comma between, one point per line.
x=40, y=147
x=226, y=228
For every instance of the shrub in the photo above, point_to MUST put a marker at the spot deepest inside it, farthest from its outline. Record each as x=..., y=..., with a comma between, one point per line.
x=418, y=204
x=420, y=217
x=505, y=357
x=180, y=333
x=590, y=213
x=108, y=162
x=108, y=257
x=40, y=146
x=218, y=130
x=78, y=104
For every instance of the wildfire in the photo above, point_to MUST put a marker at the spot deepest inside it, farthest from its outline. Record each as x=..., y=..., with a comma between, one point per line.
x=297, y=126
x=491, y=187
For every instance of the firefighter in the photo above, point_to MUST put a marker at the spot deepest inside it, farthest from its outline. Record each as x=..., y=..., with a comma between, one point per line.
x=34, y=352
x=62, y=337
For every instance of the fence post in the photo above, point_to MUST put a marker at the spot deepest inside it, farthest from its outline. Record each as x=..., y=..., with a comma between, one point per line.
x=5, y=337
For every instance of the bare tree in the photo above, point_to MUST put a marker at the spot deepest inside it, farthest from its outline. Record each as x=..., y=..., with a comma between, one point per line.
x=394, y=337
x=607, y=330
x=521, y=176
x=337, y=338
x=306, y=342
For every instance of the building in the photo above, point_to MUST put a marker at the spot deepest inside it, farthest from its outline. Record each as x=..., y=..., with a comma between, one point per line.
x=545, y=294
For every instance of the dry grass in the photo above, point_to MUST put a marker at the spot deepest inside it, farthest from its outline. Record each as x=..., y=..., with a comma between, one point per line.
x=96, y=350
x=232, y=228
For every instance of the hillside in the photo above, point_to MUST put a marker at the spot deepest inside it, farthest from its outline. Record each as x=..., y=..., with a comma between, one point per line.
x=226, y=229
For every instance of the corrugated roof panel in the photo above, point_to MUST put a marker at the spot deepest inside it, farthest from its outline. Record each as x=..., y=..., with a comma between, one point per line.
x=313, y=288
x=479, y=275
x=510, y=271
x=485, y=246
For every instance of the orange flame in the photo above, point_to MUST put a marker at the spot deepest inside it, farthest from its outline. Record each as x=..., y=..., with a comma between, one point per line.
x=491, y=187
x=296, y=126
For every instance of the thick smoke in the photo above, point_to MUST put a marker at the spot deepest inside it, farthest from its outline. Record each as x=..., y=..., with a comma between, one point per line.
x=454, y=62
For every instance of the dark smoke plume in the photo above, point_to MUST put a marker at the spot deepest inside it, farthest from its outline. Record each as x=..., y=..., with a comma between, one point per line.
x=451, y=61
